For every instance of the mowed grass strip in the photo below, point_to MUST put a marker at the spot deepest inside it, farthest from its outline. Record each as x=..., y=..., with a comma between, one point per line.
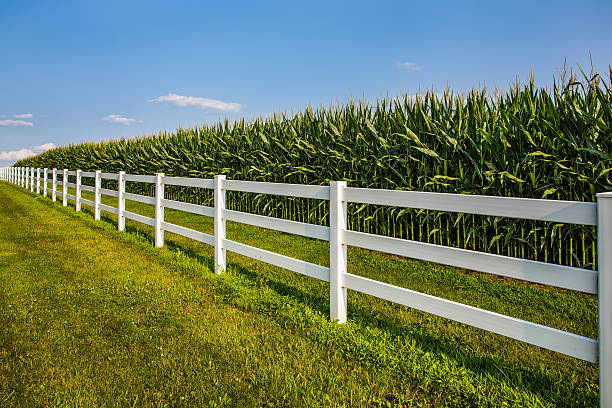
x=100, y=317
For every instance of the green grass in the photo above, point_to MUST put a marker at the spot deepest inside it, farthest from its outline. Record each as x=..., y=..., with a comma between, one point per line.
x=90, y=316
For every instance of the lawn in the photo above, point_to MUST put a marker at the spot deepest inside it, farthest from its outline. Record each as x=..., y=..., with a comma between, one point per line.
x=90, y=316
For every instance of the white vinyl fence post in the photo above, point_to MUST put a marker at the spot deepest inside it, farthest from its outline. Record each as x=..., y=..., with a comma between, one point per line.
x=45, y=171
x=27, y=178
x=77, y=205
x=18, y=176
x=54, y=186
x=32, y=179
x=219, y=203
x=337, y=252
x=38, y=180
x=97, y=194
x=65, y=188
x=121, y=202
x=159, y=210
x=23, y=177
x=604, y=262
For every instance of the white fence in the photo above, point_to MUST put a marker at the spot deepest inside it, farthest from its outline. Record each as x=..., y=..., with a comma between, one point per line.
x=339, y=278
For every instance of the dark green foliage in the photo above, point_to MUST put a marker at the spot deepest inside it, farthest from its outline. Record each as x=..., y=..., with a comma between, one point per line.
x=528, y=142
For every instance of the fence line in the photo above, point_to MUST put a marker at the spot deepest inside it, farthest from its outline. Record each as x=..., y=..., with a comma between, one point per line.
x=339, y=195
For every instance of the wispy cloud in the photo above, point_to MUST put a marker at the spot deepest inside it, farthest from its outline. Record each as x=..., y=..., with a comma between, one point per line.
x=203, y=103
x=410, y=66
x=11, y=122
x=24, y=153
x=122, y=120
x=44, y=147
x=23, y=116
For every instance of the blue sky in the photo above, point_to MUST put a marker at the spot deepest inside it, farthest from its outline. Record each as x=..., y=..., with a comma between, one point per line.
x=98, y=70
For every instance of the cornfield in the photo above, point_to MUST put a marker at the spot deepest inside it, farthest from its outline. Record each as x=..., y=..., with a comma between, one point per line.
x=527, y=142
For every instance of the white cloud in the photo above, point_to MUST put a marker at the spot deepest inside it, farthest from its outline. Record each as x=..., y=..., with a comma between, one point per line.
x=10, y=122
x=411, y=66
x=44, y=147
x=120, y=119
x=24, y=153
x=24, y=116
x=204, y=103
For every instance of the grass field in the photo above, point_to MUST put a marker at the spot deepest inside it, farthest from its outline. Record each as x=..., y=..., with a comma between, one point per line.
x=93, y=317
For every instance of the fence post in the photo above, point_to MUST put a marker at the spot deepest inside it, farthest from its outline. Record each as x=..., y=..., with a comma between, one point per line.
x=38, y=180
x=159, y=210
x=65, y=187
x=22, y=177
x=77, y=194
x=32, y=179
x=337, y=252
x=121, y=203
x=54, y=186
x=45, y=171
x=25, y=178
x=604, y=262
x=97, y=194
x=219, y=202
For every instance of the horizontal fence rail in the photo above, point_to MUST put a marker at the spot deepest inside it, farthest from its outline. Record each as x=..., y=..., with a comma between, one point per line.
x=571, y=212
x=339, y=237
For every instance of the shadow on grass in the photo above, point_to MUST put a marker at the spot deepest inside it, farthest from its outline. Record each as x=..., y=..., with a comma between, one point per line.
x=513, y=374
